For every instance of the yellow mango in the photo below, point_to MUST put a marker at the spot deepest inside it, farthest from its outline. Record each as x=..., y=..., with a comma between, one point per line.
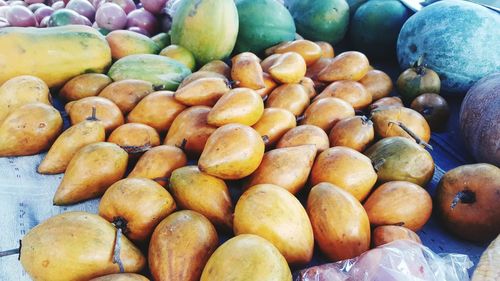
x=240, y=105
x=340, y=223
x=68, y=144
x=305, y=134
x=158, y=163
x=292, y=97
x=180, y=54
x=287, y=167
x=377, y=83
x=22, y=90
x=30, y=129
x=274, y=123
x=107, y=112
x=270, y=51
x=181, y=246
x=157, y=110
x=202, y=74
x=203, y=91
x=246, y=71
x=310, y=51
x=76, y=246
x=125, y=43
x=90, y=172
x=84, y=85
x=138, y=205
x=350, y=91
x=203, y=193
x=289, y=68
x=190, y=130
x=345, y=168
x=269, y=61
x=308, y=83
x=246, y=257
x=233, y=151
x=270, y=85
x=354, y=132
x=349, y=65
x=217, y=66
x=133, y=136
x=385, y=121
x=316, y=68
x=276, y=215
x=327, y=50
x=326, y=112
x=127, y=93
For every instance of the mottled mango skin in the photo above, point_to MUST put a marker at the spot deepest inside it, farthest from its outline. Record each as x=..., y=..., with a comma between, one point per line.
x=460, y=41
x=54, y=54
x=76, y=246
x=206, y=28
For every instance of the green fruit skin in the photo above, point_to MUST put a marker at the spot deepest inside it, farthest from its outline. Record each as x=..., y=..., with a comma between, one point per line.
x=165, y=73
x=207, y=28
x=460, y=40
x=401, y=159
x=62, y=17
x=162, y=40
x=354, y=5
x=325, y=20
x=263, y=23
x=410, y=84
x=375, y=27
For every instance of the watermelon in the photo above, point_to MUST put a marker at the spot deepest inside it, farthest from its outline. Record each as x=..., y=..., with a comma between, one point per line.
x=263, y=23
x=207, y=28
x=324, y=20
x=375, y=27
x=460, y=40
x=165, y=73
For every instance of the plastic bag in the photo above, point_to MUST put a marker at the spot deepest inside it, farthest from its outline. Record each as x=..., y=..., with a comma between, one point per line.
x=401, y=260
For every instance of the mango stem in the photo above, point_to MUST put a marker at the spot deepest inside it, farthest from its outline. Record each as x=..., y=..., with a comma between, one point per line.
x=117, y=249
x=93, y=117
x=412, y=134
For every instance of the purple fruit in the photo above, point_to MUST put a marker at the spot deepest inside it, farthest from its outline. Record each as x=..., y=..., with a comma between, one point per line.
x=154, y=6
x=139, y=30
x=36, y=6
x=18, y=3
x=33, y=1
x=143, y=19
x=111, y=16
x=44, y=22
x=20, y=16
x=86, y=21
x=42, y=13
x=83, y=7
x=58, y=5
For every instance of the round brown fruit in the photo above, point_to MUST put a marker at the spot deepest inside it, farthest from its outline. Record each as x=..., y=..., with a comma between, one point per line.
x=467, y=199
x=399, y=203
x=434, y=108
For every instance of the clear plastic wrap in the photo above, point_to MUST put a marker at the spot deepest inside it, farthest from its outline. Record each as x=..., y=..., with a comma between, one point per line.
x=401, y=260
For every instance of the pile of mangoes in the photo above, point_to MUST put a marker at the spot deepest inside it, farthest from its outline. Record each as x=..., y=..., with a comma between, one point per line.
x=300, y=121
